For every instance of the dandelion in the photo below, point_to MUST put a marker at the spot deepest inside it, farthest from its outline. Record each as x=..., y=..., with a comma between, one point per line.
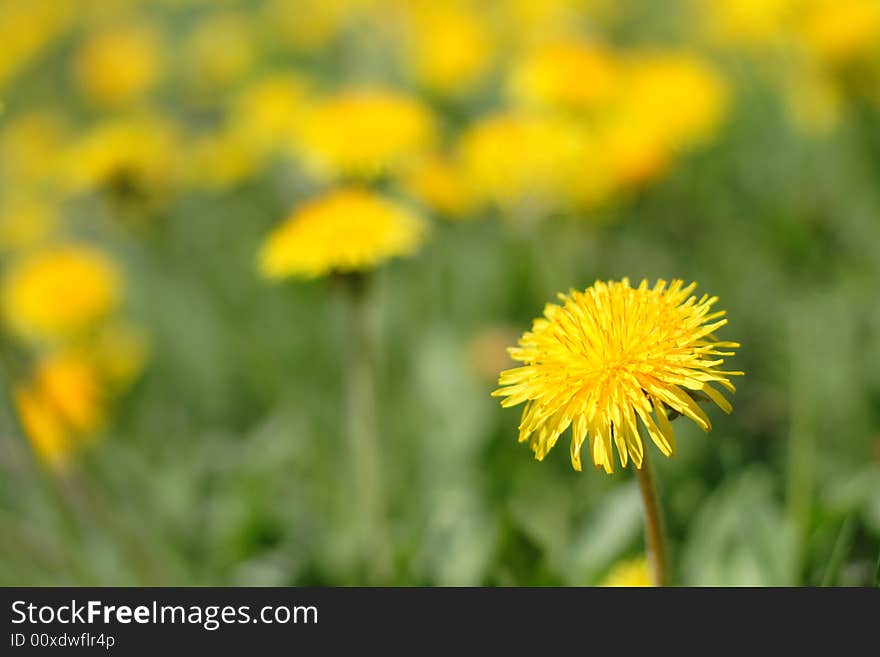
x=611, y=358
x=133, y=157
x=348, y=230
x=678, y=98
x=364, y=133
x=629, y=573
x=59, y=292
x=119, y=65
x=451, y=46
x=60, y=406
x=553, y=165
x=841, y=31
x=565, y=74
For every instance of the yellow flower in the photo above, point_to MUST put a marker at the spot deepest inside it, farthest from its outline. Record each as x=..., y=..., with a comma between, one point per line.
x=629, y=574
x=60, y=406
x=268, y=112
x=135, y=156
x=679, y=99
x=437, y=182
x=220, y=50
x=610, y=355
x=839, y=31
x=59, y=292
x=365, y=133
x=119, y=65
x=565, y=74
x=538, y=162
x=346, y=230
x=450, y=47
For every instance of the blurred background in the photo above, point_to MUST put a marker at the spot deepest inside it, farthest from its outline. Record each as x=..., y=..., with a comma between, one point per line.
x=169, y=417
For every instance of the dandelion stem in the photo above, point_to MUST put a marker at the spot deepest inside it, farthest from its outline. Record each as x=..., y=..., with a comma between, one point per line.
x=655, y=534
x=362, y=432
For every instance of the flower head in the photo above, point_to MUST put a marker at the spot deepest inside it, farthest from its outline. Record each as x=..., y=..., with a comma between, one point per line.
x=612, y=356
x=59, y=292
x=364, y=133
x=60, y=405
x=120, y=64
x=566, y=74
x=346, y=230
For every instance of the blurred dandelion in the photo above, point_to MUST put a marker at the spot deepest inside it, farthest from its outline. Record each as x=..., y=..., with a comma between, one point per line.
x=59, y=292
x=364, y=133
x=612, y=356
x=349, y=232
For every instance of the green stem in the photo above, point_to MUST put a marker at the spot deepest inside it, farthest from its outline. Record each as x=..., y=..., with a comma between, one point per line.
x=655, y=534
x=362, y=432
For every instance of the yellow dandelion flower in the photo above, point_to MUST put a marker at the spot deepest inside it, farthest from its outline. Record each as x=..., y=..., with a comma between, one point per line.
x=59, y=292
x=437, y=182
x=119, y=65
x=450, y=47
x=679, y=98
x=552, y=164
x=839, y=31
x=133, y=156
x=267, y=113
x=364, y=133
x=566, y=74
x=630, y=573
x=60, y=406
x=346, y=230
x=612, y=356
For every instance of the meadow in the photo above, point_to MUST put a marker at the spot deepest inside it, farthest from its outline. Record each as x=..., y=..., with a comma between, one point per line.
x=190, y=395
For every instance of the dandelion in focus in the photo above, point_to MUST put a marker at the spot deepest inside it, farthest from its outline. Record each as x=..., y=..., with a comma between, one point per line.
x=630, y=573
x=611, y=358
x=364, y=134
x=347, y=230
x=59, y=292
